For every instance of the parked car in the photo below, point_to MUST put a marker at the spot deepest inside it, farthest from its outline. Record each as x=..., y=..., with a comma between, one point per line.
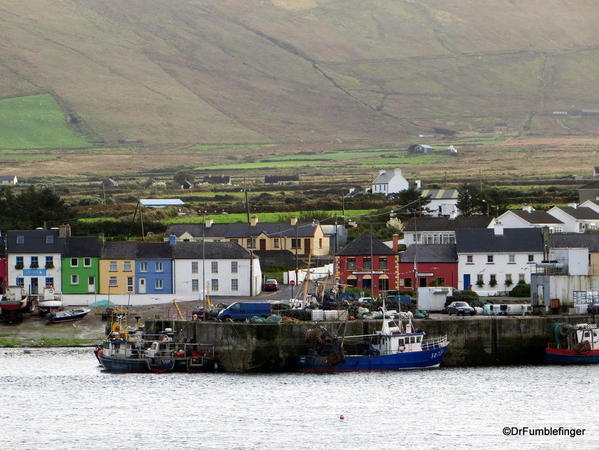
x=460, y=308
x=243, y=311
x=365, y=300
x=270, y=285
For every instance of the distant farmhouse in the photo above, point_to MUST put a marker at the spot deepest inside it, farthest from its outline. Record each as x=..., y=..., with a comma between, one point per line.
x=500, y=127
x=8, y=179
x=217, y=179
x=423, y=149
x=390, y=182
x=281, y=179
x=187, y=185
x=110, y=182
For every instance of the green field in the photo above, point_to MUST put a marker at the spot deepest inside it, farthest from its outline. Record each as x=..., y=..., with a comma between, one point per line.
x=35, y=121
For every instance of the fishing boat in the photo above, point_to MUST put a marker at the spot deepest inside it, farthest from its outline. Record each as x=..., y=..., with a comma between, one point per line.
x=68, y=315
x=14, y=304
x=49, y=302
x=574, y=344
x=396, y=346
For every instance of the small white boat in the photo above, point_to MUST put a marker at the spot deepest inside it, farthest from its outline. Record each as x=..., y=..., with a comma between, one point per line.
x=69, y=315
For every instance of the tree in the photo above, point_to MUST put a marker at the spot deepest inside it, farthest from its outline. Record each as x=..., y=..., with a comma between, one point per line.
x=32, y=208
x=183, y=175
x=488, y=201
x=469, y=199
x=411, y=201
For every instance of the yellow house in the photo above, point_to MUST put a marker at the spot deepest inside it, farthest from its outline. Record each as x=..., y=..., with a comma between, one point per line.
x=304, y=238
x=117, y=268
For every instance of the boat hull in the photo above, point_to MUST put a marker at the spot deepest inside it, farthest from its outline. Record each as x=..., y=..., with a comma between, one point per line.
x=564, y=356
x=354, y=363
x=123, y=365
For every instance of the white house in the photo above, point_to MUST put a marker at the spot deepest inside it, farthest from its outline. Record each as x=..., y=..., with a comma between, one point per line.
x=492, y=261
x=528, y=217
x=576, y=219
x=389, y=182
x=34, y=259
x=443, y=202
x=8, y=179
x=440, y=230
x=215, y=269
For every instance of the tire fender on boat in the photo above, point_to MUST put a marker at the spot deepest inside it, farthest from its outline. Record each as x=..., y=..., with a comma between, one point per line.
x=401, y=347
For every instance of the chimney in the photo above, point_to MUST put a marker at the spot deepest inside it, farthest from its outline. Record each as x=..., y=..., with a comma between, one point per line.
x=528, y=208
x=293, y=221
x=418, y=184
x=498, y=228
x=382, y=172
x=395, y=242
x=253, y=221
x=572, y=205
x=209, y=222
x=397, y=171
x=64, y=231
x=172, y=239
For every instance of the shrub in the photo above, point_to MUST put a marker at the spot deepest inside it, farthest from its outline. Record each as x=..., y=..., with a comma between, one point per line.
x=520, y=290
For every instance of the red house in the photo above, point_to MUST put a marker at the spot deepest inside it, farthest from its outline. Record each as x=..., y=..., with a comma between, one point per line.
x=369, y=264
x=425, y=265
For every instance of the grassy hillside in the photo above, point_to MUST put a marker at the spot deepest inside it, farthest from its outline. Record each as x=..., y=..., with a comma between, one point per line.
x=223, y=71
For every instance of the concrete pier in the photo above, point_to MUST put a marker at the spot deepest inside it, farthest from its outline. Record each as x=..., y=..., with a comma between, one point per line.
x=273, y=347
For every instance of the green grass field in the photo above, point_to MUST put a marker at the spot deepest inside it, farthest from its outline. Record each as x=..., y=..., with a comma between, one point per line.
x=35, y=121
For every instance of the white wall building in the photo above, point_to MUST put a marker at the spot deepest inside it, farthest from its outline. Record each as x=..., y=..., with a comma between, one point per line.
x=216, y=268
x=443, y=202
x=528, y=217
x=493, y=261
x=389, y=182
x=440, y=230
x=576, y=219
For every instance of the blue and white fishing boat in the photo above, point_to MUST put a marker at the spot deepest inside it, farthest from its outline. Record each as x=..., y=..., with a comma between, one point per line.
x=395, y=346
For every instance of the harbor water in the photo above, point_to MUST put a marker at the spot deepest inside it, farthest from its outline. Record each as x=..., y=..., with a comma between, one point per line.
x=59, y=398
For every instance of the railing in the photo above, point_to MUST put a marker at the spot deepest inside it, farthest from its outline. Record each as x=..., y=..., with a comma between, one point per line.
x=563, y=270
x=430, y=344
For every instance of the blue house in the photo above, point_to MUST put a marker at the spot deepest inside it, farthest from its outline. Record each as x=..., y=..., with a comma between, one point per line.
x=154, y=268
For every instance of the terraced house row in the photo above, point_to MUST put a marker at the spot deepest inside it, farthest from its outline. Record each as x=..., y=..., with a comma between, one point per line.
x=38, y=259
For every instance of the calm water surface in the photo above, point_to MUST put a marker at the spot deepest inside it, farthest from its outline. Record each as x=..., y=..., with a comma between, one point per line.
x=59, y=398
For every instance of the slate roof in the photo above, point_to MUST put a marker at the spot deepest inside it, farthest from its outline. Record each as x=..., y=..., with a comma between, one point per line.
x=211, y=250
x=536, y=216
x=154, y=250
x=242, y=230
x=581, y=212
x=384, y=178
x=445, y=224
x=441, y=194
x=366, y=244
x=119, y=250
x=76, y=247
x=575, y=240
x=591, y=185
x=7, y=177
x=512, y=240
x=433, y=253
x=34, y=241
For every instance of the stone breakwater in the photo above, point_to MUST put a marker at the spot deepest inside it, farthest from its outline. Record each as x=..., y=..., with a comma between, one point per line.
x=273, y=347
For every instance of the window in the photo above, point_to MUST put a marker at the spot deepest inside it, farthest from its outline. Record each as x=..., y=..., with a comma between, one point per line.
x=417, y=237
x=91, y=280
x=129, y=284
x=113, y=267
x=143, y=267
x=50, y=239
x=49, y=262
x=20, y=281
x=383, y=264
x=87, y=262
x=19, y=262
x=493, y=280
x=234, y=266
x=214, y=285
x=440, y=281
x=158, y=284
x=521, y=278
x=480, y=281
x=74, y=279
x=367, y=264
x=195, y=285
x=508, y=279
x=49, y=282
x=251, y=243
x=214, y=266
x=20, y=239
x=74, y=262
x=127, y=266
x=531, y=258
x=489, y=259
x=296, y=243
x=351, y=263
x=319, y=242
x=34, y=262
x=407, y=282
x=234, y=284
x=112, y=282
x=160, y=267
x=511, y=259
x=194, y=267
x=470, y=259
x=276, y=242
x=383, y=284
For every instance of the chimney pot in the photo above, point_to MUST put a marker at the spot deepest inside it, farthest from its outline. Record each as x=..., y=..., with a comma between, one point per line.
x=395, y=242
x=209, y=223
x=293, y=220
x=253, y=221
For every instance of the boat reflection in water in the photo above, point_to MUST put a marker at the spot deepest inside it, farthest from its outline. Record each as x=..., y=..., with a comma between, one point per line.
x=395, y=346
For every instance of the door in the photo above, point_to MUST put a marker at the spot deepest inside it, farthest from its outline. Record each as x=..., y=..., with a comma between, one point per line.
x=307, y=246
x=91, y=285
x=142, y=285
x=422, y=281
x=262, y=244
x=34, y=286
x=466, y=286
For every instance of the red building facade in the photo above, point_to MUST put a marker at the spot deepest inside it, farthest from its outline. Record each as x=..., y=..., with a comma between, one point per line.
x=3, y=274
x=367, y=263
x=424, y=265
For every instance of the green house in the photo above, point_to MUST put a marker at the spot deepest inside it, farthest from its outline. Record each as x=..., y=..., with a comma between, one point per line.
x=80, y=266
